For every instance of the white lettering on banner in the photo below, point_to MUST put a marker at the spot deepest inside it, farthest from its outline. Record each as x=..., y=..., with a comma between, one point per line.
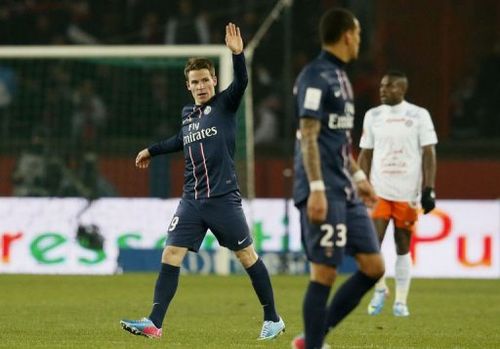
x=37, y=235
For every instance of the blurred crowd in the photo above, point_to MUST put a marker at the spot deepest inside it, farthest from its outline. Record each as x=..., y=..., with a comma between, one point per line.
x=40, y=171
x=476, y=101
x=88, y=113
x=94, y=22
x=119, y=21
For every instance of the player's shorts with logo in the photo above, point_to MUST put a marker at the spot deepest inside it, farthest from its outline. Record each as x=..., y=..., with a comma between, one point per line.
x=347, y=229
x=223, y=215
x=404, y=214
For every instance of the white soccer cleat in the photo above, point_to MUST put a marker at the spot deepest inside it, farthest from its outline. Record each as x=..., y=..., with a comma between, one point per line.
x=400, y=309
x=377, y=302
x=271, y=330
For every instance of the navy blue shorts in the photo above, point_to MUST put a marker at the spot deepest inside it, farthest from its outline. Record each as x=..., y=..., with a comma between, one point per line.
x=223, y=215
x=347, y=229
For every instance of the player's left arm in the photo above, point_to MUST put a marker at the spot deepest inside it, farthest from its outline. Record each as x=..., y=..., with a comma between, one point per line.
x=428, y=139
x=235, y=91
x=170, y=145
x=429, y=164
x=317, y=204
x=363, y=186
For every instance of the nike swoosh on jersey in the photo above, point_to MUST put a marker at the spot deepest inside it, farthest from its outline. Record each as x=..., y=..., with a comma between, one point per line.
x=242, y=241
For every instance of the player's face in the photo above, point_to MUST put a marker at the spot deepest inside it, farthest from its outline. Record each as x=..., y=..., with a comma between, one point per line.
x=392, y=90
x=353, y=40
x=202, y=85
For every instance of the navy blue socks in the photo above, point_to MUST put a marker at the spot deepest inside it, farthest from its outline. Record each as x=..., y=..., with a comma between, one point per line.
x=165, y=288
x=314, y=312
x=262, y=286
x=347, y=298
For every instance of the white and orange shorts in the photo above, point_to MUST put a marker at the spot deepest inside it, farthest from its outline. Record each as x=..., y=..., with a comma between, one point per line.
x=404, y=214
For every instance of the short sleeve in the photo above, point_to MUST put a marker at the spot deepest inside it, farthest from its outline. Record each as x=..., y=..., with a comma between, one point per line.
x=366, y=140
x=311, y=92
x=426, y=133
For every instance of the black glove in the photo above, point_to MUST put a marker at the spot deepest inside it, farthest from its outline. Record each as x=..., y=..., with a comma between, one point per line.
x=428, y=200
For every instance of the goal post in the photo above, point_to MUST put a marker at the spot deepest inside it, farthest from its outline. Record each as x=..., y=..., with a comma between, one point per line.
x=179, y=51
x=121, y=77
x=118, y=88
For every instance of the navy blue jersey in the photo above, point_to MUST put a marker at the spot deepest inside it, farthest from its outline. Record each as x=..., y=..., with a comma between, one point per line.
x=323, y=92
x=207, y=137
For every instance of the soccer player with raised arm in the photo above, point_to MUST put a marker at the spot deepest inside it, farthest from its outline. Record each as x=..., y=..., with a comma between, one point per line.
x=397, y=147
x=211, y=198
x=329, y=187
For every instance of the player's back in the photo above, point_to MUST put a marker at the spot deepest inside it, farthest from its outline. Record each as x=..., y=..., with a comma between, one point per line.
x=323, y=92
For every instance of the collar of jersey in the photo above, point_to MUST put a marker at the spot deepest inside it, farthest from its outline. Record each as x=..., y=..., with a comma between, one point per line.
x=203, y=106
x=398, y=107
x=193, y=114
x=332, y=58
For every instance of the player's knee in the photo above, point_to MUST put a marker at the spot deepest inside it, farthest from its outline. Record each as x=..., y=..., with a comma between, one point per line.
x=402, y=238
x=173, y=255
x=402, y=250
x=247, y=256
x=323, y=274
x=403, y=246
x=376, y=269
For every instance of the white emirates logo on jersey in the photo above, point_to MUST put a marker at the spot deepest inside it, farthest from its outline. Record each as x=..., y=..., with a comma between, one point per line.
x=199, y=135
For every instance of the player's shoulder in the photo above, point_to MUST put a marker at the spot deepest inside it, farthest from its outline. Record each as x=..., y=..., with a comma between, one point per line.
x=376, y=111
x=415, y=111
x=320, y=71
x=187, y=110
x=309, y=72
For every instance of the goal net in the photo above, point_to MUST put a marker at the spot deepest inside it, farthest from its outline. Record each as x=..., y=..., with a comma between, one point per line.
x=111, y=101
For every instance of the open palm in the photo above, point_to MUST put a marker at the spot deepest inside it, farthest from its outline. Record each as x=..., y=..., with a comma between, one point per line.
x=233, y=38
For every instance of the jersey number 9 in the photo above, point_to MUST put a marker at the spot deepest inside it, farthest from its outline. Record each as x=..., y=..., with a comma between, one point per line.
x=173, y=224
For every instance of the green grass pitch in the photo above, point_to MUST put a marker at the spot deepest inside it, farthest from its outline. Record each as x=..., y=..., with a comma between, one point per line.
x=223, y=312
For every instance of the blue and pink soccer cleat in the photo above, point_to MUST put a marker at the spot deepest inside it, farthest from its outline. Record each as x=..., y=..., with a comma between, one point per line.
x=143, y=327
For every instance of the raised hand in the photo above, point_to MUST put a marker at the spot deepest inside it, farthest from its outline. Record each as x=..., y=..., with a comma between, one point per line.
x=233, y=38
